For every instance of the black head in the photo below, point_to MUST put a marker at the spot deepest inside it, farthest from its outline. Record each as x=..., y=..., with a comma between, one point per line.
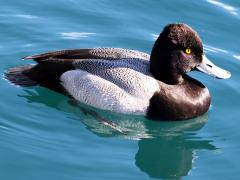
x=177, y=51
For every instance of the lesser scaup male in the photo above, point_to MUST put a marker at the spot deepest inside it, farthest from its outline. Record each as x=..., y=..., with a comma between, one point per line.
x=128, y=81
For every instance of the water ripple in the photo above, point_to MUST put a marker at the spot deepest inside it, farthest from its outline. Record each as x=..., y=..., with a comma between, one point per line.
x=237, y=57
x=75, y=35
x=154, y=36
x=226, y=7
x=214, y=49
x=24, y=16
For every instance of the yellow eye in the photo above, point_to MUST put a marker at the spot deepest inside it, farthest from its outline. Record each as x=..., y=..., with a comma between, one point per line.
x=188, y=51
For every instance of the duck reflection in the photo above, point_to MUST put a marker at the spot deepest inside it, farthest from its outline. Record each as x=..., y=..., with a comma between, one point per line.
x=166, y=149
x=170, y=155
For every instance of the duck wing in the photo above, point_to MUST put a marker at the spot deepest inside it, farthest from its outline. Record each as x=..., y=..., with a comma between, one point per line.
x=50, y=66
x=94, y=53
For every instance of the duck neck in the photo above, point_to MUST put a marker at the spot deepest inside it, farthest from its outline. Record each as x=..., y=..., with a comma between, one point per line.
x=161, y=68
x=168, y=76
x=162, y=63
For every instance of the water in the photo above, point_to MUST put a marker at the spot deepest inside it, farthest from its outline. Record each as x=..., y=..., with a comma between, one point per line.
x=43, y=137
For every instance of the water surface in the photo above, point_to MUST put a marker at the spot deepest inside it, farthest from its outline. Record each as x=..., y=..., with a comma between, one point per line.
x=42, y=136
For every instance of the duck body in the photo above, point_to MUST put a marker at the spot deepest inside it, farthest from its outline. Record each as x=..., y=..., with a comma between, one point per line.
x=122, y=80
x=117, y=80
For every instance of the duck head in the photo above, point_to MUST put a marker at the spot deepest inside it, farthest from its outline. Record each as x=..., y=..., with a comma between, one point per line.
x=177, y=51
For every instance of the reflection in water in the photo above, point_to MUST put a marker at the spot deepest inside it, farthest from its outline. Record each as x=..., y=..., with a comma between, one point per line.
x=168, y=157
x=166, y=149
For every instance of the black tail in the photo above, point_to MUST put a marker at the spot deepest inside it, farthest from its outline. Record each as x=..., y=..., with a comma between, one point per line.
x=17, y=76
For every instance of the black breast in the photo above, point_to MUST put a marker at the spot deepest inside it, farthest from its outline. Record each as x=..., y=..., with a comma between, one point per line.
x=179, y=102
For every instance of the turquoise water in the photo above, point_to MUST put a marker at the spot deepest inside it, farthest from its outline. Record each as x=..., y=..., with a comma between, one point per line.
x=42, y=136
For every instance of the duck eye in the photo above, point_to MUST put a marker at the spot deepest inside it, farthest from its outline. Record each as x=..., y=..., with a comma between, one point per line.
x=188, y=51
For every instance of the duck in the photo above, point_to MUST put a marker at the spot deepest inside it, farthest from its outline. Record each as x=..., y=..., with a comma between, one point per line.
x=127, y=81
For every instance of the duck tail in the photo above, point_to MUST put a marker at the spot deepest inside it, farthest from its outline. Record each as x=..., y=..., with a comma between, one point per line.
x=18, y=75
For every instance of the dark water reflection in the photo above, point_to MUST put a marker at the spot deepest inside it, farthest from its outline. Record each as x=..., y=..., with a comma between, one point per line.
x=165, y=149
x=169, y=157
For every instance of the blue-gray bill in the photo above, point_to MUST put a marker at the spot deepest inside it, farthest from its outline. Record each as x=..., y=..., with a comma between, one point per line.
x=211, y=69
